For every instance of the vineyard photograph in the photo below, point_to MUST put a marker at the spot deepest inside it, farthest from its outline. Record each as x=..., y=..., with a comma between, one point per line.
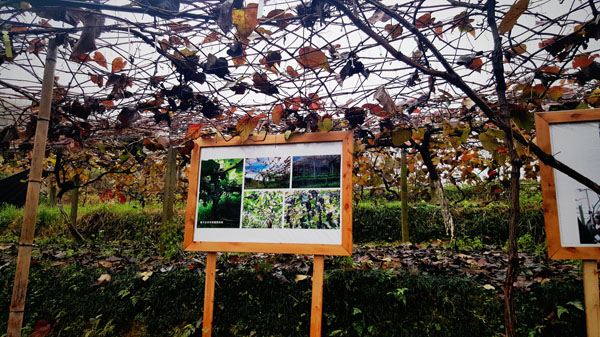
x=263, y=209
x=220, y=193
x=316, y=171
x=314, y=209
x=268, y=172
x=270, y=168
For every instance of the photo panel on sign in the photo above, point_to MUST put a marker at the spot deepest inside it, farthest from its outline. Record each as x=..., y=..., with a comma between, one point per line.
x=270, y=209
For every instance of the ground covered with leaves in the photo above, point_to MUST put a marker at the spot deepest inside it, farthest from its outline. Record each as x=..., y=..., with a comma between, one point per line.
x=382, y=290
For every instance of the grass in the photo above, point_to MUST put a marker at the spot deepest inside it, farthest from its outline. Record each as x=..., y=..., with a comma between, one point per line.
x=50, y=222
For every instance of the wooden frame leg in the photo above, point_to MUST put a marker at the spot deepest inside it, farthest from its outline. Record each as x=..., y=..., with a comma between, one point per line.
x=209, y=294
x=592, y=297
x=317, y=296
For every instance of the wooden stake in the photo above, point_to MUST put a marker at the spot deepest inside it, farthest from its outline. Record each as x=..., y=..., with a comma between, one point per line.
x=17, y=304
x=170, y=183
x=592, y=297
x=404, y=195
x=74, y=202
x=209, y=293
x=168, y=193
x=317, y=297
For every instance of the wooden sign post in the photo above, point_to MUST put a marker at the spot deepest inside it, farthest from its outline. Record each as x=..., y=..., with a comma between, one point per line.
x=573, y=137
x=271, y=195
x=592, y=297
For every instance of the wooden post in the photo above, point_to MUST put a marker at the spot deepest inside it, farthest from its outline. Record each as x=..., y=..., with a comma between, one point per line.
x=209, y=293
x=404, y=195
x=17, y=304
x=52, y=192
x=169, y=192
x=592, y=297
x=170, y=182
x=317, y=297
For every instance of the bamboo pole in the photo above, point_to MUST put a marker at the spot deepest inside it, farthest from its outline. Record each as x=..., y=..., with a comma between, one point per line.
x=317, y=297
x=209, y=293
x=592, y=297
x=404, y=195
x=17, y=304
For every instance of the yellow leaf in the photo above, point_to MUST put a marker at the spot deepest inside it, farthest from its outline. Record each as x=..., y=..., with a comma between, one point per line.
x=582, y=106
x=489, y=140
x=118, y=64
x=326, y=124
x=399, y=137
x=513, y=14
x=555, y=93
x=188, y=52
x=594, y=97
x=418, y=134
x=310, y=57
x=104, y=278
x=246, y=125
x=245, y=20
x=300, y=277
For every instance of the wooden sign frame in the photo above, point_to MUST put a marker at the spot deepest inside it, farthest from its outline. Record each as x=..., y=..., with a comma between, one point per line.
x=341, y=144
x=557, y=249
x=345, y=139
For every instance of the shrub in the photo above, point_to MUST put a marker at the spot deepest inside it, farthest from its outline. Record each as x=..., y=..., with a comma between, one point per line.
x=382, y=222
x=257, y=302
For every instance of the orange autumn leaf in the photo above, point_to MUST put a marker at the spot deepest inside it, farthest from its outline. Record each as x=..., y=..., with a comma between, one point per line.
x=245, y=20
x=212, y=37
x=277, y=113
x=279, y=15
x=439, y=30
x=291, y=72
x=97, y=79
x=99, y=58
x=551, y=69
x=246, y=125
x=81, y=58
x=511, y=17
x=555, y=93
x=310, y=57
x=424, y=20
x=475, y=64
x=547, y=42
x=118, y=64
x=463, y=22
x=394, y=30
x=194, y=131
x=239, y=60
x=108, y=104
x=583, y=60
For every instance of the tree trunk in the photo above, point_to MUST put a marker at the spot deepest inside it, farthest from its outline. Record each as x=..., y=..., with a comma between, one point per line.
x=74, y=202
x=446, y=214
x=404, y=195
x=437, y=184
x=512, y=270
